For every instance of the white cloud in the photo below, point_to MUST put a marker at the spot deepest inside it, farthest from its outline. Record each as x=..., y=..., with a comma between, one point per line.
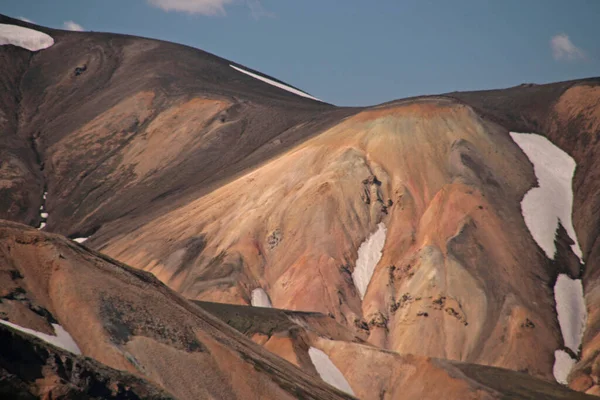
x=204, y=7
x=72, y=26
x=257, y=10
x=26, y=20
x=564, y=49
x=209, y=7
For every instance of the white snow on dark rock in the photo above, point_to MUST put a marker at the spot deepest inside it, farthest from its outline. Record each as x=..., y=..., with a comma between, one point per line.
x=274, y=83
x=26, y=38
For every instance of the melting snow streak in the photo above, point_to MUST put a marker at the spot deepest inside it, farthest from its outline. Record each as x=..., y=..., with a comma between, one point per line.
x=260, y=298
x=274, y=83
x=369, y=254
x=571, y=310
x=43, y=213
x=572, y=316
x=563, y=363
x=328, y=371
x=62, y=338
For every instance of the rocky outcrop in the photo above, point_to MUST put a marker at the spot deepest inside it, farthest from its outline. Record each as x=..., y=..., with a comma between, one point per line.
x=32, y=369
x=271, y=321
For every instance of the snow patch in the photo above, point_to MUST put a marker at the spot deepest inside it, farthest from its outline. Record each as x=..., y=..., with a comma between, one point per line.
x=543, y=207
x=62, y=338
x=274, y=83
x=563, y=363
x=43, y=213
x=571, y=310
x=328, y=371
x=572, y=316
x=369, y=254
x=260, y=298
x=80, y=239
x=26, y=38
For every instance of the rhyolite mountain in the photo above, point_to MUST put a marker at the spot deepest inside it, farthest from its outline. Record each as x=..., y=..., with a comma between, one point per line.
x=434, y=247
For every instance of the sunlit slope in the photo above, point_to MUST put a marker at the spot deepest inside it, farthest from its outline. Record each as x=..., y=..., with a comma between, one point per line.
x=460, y=277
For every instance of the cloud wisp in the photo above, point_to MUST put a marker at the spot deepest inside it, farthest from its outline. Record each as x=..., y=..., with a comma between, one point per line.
x=209, y=7
x=72, y=26
x=564, y=49
x=204, y=7
x=257, y=10
x=26, y=20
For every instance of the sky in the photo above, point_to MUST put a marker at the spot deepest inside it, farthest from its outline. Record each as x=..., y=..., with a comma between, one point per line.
x=358, y=52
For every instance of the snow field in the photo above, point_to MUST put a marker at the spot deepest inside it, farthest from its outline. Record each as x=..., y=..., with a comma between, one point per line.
x=328, y=371
x=369, y=254
x=260, y=298
x=62, y=338
x=26, y=38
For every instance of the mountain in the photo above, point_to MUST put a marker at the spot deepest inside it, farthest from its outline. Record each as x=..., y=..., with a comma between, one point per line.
x=448, y=242
x=138, y=334
x=126, y=319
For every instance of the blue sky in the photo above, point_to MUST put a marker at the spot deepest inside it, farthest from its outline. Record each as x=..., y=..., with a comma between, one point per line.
x=358, y=52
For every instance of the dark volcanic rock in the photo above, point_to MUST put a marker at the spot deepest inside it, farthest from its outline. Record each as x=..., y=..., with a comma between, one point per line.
x=33, y=369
